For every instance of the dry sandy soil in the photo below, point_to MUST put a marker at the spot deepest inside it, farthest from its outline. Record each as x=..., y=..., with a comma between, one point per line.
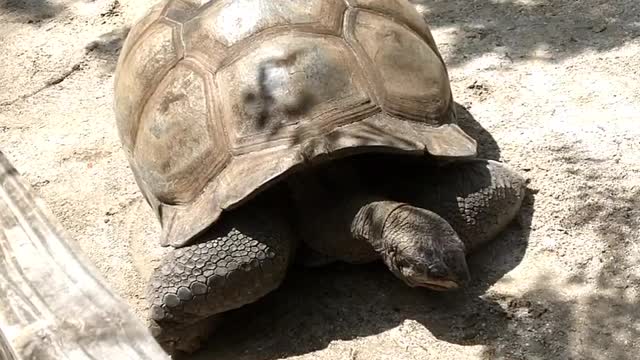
x=551, y=87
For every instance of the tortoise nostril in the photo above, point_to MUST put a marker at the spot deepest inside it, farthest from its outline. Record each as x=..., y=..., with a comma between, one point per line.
x=438, y=270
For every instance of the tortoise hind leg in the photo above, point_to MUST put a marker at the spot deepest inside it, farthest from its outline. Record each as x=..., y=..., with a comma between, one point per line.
x=243, y=257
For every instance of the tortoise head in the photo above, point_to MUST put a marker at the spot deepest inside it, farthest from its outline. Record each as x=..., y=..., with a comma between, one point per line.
x=423, y=250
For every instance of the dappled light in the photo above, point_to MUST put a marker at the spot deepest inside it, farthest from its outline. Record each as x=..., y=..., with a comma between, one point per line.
x=516, y=31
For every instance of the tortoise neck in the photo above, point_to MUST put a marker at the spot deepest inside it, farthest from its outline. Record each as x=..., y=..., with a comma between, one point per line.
x=368, y=223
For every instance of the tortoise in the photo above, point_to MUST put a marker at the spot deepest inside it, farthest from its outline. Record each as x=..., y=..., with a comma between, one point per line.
x=262, y=132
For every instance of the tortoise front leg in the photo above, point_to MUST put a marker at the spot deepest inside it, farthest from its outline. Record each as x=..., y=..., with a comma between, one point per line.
x=243, y=257
x=479, y=198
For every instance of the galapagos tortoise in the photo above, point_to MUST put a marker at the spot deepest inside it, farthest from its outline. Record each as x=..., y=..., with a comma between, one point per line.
x=226, y=108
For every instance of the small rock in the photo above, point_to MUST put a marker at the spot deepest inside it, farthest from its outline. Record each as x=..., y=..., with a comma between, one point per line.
x=621, y=286
x=40, y=184
x=538, y=311
x=475, y=85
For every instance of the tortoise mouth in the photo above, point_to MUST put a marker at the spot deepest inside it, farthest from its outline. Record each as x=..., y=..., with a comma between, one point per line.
x=439, y=285
x=432, y=283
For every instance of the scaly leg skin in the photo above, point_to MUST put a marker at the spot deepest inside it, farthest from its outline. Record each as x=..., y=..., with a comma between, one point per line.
x=244, y=256
x=479, y=198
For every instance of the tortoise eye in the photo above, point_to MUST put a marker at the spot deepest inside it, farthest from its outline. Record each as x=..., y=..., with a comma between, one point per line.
x=392, y=250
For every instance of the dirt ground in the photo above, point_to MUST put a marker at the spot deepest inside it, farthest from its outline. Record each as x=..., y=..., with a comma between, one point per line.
x=550, y=87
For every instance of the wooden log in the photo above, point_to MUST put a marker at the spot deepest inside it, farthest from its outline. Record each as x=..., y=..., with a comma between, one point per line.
x=53, y=303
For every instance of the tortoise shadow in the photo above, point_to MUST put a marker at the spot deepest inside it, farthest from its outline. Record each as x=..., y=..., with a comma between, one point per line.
x=487, y=146
x=106, y=48
x=314, y=307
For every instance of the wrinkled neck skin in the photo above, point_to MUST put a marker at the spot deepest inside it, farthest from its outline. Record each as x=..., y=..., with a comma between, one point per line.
x=369, y=222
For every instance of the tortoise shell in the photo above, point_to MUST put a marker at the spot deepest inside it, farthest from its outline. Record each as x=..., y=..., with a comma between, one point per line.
x=215, y=101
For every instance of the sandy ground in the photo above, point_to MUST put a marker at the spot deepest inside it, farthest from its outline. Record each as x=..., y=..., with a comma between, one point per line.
x=550, y=87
